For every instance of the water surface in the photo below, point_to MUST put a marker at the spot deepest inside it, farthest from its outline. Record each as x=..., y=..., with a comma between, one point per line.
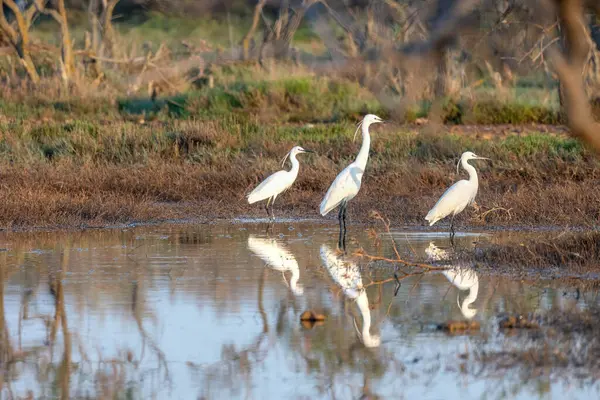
x=213, y=311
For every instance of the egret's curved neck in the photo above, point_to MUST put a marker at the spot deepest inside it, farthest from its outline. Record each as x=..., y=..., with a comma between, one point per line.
x=294, y=278
x=363, y=305
x=464, y=307
x=473, y=290
x=363, y=154
x=471, y=170
x=295, y=164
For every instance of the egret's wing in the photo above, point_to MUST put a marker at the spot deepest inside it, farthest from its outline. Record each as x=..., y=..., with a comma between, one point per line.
x=457, y=195
x=346, y=184
x=271, y=186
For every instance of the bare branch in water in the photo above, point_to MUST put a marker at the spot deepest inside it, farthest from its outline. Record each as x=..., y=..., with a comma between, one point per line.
x=398, y=260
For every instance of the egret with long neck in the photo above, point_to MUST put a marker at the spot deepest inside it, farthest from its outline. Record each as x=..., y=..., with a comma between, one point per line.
x=347, y=184
x=459, y=195
x=278, y=182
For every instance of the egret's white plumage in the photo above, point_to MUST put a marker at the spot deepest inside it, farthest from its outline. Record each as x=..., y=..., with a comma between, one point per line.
x=434, y=253
x=461, y=277
x=464, y=279
x=277, y=257
x=278, y=182
x=459, y=195
x=347, y=184
x=346, y=274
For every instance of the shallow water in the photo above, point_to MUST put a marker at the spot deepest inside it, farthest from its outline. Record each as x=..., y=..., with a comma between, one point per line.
x=213, y=311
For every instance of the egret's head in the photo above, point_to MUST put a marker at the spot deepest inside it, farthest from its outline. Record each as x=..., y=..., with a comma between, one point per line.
x=468, y=155
x=295, y=150
x=371, y=340
x=367, y=121
x=297, y=289
x=372, y=119
x=465, y=308
x=298, y=150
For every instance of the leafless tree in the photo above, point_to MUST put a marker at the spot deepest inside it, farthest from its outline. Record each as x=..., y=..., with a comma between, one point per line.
x=67, y=57
x=17, y=32
x=255, y=21
x=279, y=35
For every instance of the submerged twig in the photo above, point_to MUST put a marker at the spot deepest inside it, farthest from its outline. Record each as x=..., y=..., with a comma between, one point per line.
x=386, y=223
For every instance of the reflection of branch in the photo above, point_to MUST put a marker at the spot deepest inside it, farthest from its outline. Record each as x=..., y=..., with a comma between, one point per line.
x=386, y=223
x=6, y=350
x=65, y=369
x=261, y=308
x=145, y=337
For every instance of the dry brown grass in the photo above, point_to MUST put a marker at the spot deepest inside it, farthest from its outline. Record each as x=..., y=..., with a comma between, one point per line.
x=90, y=172
x=67, y=194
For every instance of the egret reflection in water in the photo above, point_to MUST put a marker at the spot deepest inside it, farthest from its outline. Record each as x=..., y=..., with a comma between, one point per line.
x=346, y=274
x=279, y=258
x=462, y=278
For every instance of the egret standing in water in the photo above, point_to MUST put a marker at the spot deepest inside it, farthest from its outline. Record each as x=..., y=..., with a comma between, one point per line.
x=459, y=195
x=278, y=182
x=347, y=184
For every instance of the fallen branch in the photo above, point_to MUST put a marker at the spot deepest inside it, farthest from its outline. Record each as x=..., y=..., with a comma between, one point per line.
x=398, y=260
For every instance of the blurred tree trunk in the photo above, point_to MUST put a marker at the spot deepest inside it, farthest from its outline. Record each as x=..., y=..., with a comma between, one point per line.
x=68, y=60
x=590, y=70
x=443, y=86
x=107, y=26
x=279, y=37
x=255, y=19
x=19, y=36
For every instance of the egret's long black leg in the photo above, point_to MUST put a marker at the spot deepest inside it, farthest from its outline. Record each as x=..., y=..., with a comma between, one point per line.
x=452, y=232
x=267, y=206
x=272, y=211
x=340, y=214
x=344, y=220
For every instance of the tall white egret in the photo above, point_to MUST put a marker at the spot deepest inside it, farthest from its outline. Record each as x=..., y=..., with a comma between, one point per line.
x=346, y=274
x=459, y=195
x=277, y=257
x=278, y=182
x=347, y=184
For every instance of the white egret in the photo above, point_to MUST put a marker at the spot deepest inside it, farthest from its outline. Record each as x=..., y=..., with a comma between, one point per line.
x=459, y=195
x=464, y=279
x=278, y=258
x=278, y=182
x=347, y=275
x=347, y=184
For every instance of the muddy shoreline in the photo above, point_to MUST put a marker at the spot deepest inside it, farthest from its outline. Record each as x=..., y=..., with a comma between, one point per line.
x=287, y=219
